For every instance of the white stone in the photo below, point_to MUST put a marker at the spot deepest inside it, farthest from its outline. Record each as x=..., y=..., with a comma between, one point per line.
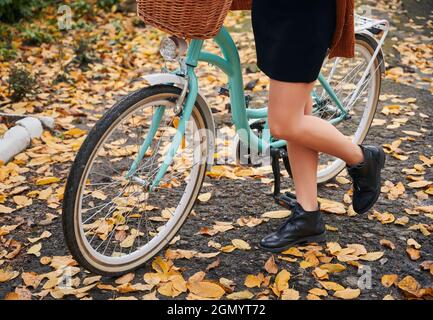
x=47, y=122
x=14, y=141
x=32, y=125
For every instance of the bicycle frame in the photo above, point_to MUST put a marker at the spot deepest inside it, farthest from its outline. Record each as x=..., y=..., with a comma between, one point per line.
x=231, y=66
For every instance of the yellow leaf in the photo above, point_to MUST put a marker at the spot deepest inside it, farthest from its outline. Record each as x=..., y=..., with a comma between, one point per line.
x=46, y=180
x=8, y=275
x=321, y=274
x=330, y=228
x=290, y=294
x=45, y=234
x=99, y=195
x=347, y=294
x=75, y=132
x=35, y=250
x=252, y=281
x=306, y=264
x=413, y=253
x=388, y=244
x=241, y=295
x=282, y=281
x=206, y=289
x=412, y=133
x=332, y=206
x=279, y=214
x=31, y=279
x=22, y=201
x=413, y=243
x=318, y=292
x=329, y=285
x=419, y=184
x=333, y=268
x=293, y=251
x=333, y=247
x=4, y=209
x=228, y=249
x=409, y=285
x=270, y=265
x=389, y=279
x=241, y=244
x=372, y=256
x=384, y=218
x=125, y=278
x=205, y=197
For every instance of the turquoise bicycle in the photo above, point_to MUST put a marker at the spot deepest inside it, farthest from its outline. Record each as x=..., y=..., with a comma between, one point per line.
x=138, y=173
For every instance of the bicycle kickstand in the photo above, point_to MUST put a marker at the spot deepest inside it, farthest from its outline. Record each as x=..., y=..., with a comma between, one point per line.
x=287, y=199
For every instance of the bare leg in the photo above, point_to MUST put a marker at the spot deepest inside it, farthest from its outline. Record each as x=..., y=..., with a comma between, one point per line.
x=287, y=121
x=303, y=163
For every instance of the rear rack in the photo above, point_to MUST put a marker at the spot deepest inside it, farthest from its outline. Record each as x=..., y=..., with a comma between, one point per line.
x=375, y=26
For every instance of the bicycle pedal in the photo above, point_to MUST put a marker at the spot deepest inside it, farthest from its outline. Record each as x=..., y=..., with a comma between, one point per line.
x=286, y=200
x=223, y=91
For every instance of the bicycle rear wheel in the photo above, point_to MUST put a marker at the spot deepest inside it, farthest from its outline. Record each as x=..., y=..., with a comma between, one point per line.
x=114, y=224
x=344, y=75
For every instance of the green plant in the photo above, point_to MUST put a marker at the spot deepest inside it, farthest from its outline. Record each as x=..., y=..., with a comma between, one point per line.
x=83, y=53
x=13, y=10
x=7, y=49
x=82, y=8
x=21, y=83
x=106, y=4
x=35, y=36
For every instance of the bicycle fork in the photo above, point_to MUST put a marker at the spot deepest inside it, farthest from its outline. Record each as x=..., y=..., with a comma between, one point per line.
x=191, y=86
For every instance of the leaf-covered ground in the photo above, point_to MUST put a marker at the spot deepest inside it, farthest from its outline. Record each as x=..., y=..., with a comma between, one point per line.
x=216, y=254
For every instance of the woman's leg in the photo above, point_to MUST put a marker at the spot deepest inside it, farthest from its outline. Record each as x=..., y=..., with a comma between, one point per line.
x=287, y=121
x=303, y=164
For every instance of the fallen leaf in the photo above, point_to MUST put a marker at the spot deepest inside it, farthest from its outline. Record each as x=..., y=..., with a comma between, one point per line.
x=389, y=279
x=4, y=209
x=270, y=265
x=252, y=281
x=347, y=294
x=413, y=253
x=293, y=251
x=333, y=267
x=318, y=292
x=241, y=295
x=241, y=244
x=31, y=279
x=290, y=294
x=205, y=197
x=125, y=278
x=46, y=180
x=6, y=275
x=388, y=244
x=35, y=250
x=206, y=289
x=279, y=214
x=372, y=256
x=329, y=285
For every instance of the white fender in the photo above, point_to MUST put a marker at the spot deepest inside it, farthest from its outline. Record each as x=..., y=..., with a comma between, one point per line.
x=178, y=81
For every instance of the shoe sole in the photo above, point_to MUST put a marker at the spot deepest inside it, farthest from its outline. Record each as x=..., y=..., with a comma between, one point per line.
x=320, y=238
x=381, y=166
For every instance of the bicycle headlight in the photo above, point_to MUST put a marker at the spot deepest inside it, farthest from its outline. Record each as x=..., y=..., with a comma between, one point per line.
x=172, y=48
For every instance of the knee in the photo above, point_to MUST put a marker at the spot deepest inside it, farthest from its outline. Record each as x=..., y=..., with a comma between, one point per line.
x=286, y=131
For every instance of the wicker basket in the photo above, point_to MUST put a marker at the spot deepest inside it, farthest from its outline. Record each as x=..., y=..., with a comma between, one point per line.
x=197, y=19
x=241, y=5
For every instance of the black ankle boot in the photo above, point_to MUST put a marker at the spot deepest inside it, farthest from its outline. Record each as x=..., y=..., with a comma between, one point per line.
x=366, y=178
x=302, y=227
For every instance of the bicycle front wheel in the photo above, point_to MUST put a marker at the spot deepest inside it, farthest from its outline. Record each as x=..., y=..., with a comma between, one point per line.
x=112, y=223
x=344, y=75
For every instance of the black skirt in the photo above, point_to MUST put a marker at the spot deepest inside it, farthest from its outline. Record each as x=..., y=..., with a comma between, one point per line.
x=293, y=37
